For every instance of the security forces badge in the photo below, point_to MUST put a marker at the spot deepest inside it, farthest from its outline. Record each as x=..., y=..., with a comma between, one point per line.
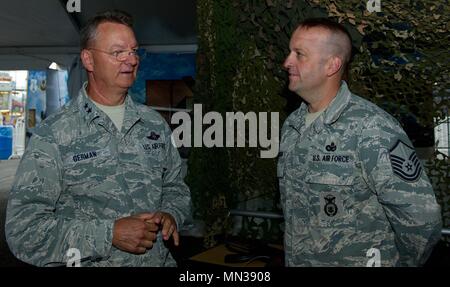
x=331, y=206
x=405, y=162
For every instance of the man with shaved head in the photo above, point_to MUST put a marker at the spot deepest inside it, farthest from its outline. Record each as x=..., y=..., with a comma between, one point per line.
x=353, y=191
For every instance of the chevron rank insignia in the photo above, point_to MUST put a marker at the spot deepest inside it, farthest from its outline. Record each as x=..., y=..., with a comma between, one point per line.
x=405, y=162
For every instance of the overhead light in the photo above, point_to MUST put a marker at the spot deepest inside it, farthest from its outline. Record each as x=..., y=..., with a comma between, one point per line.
x=54, y=66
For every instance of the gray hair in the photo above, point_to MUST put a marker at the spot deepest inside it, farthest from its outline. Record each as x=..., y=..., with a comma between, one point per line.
x=89, y=31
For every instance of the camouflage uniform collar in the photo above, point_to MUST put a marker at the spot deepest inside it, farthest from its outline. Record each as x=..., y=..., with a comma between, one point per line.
x=91, y=112
x=337, y=105
x=132, y=114
x=297, y=120
x=86, y=107
x=329, y=116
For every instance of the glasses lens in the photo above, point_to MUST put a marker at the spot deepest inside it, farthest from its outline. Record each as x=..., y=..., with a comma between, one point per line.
x=123, y=55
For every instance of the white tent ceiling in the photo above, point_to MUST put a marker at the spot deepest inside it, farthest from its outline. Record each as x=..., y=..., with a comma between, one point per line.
x=35, y=33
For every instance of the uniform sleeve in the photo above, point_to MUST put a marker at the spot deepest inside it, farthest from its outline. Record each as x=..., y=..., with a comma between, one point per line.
x=34, y=231
x=176, y=197
x=396, y=175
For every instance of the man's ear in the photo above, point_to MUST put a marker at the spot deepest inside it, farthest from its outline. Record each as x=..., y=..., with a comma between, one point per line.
x=334, y=65
x=88, y=61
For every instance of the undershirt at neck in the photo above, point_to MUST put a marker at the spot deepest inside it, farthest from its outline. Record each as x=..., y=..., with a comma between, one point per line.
x=311, y=117
x=115, y=113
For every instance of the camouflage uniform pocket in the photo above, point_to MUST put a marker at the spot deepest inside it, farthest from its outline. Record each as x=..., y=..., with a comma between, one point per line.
x=330, y=178
x=95, y=198
x=93, y=166
x=332, y=220
x=332, y=201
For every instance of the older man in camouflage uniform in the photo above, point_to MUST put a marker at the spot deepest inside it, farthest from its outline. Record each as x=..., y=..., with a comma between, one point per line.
x=353, y=191
x=101, y=175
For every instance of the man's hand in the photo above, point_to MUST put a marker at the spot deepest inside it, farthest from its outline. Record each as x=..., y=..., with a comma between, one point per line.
x=168, y=225
x=135, y=234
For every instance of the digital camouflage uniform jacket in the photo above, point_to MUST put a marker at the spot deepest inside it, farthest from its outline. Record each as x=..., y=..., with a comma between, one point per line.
x=351, y=182
x=79, y=174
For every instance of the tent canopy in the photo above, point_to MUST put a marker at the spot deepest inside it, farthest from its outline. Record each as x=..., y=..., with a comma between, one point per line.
x=36, y=33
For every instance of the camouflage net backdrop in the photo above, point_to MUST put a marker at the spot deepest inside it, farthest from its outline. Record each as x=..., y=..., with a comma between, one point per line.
x=401, y=64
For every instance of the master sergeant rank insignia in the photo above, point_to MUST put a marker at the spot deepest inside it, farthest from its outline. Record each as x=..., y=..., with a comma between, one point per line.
x=405, y=162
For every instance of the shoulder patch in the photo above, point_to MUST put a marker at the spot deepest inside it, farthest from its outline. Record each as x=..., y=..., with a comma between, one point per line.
x=405, y=162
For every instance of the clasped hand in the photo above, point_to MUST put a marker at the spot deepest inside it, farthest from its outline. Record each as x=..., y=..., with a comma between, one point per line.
x=137, y=233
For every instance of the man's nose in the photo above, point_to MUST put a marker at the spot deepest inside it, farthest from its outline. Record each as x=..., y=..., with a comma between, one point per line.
x=287, y=63
x=132, y=59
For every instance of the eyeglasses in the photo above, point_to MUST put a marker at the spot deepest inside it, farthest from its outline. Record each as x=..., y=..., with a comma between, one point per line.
x=120, y=55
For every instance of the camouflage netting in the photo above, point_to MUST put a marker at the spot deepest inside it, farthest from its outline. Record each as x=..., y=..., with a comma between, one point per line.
x=401, y=64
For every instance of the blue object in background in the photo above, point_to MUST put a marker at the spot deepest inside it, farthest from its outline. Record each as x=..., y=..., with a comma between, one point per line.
x=161, y=66
x=6, y=141
x=57, y=93
x=37, y=86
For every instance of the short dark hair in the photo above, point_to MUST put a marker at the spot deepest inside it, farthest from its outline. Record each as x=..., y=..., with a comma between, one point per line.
x=331, y=26
x=89, y=31
x=326, y=24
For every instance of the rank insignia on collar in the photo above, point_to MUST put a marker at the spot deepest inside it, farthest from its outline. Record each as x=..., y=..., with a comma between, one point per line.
x=405, y=162
x=153, y=136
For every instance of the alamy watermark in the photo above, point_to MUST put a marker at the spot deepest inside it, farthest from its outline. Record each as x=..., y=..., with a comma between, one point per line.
x=74, y=256
x=234, y=126
x=73, y=6
x=374, y=256
x=373, y=6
